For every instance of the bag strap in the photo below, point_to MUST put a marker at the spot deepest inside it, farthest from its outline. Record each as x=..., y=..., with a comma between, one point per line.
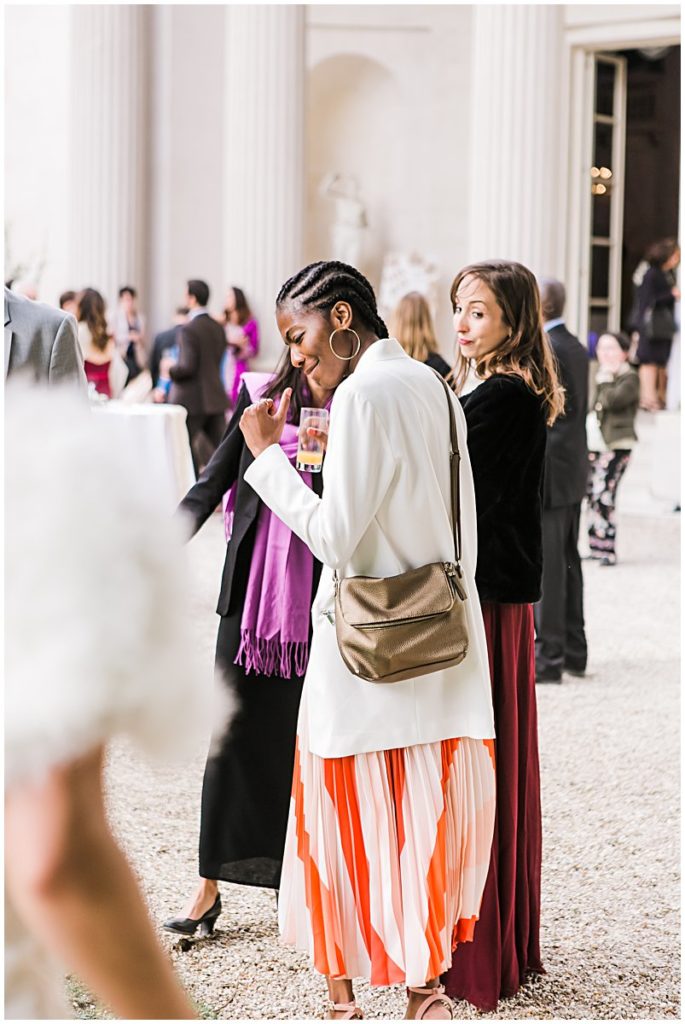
x=455, y=459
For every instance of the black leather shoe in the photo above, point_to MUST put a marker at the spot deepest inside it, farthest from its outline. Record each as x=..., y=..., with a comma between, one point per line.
x=574, y=670
x=189, y=925
x=547, y=675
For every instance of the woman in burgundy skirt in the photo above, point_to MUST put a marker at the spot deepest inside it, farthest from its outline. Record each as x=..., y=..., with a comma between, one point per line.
x=500, y=337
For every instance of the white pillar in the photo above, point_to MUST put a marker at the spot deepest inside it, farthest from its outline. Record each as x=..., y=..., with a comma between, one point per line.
x=107, y=161
x=164, y=293
x=264, y=157
x=515, y=139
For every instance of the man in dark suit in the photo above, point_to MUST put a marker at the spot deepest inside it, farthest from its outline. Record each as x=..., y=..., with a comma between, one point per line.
x=196, y=380
x=560, y=643
x=164, y=341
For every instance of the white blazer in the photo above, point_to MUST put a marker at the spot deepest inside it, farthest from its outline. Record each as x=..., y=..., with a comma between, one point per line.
x=385, y=509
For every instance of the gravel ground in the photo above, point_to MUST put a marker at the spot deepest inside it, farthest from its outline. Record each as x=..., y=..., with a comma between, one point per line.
x=610, y=772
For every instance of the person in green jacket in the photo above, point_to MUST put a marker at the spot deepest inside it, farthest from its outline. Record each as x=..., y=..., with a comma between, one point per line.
x=614, y=401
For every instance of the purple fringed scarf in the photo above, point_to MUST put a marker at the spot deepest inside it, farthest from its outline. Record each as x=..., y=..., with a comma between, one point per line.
x=274, y=629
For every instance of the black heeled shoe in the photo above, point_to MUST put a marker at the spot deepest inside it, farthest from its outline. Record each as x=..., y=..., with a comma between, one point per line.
x=189, y=925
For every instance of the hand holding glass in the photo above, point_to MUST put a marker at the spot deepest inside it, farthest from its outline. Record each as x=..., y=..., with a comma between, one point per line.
x=310, y=449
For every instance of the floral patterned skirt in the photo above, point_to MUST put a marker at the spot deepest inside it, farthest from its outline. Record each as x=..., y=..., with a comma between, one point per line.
x=606, y=471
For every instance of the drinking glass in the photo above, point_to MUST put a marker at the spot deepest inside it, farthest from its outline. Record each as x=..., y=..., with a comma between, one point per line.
x=309, y=449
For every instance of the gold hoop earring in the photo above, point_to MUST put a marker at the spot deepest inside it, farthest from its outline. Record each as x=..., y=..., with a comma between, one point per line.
x=345, y=359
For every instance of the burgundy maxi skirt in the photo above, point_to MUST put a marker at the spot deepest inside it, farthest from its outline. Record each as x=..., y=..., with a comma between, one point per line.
x=506, y=943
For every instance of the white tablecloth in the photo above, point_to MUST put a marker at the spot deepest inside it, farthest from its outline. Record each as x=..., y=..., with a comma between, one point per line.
x=157, y=435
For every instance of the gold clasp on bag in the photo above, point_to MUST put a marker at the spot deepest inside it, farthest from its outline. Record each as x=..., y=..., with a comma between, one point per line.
x=454, y=573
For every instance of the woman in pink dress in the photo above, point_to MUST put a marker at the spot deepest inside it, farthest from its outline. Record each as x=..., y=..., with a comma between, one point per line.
x=242, y=337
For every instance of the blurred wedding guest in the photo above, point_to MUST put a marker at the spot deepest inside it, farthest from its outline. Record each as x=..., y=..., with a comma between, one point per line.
x=42, y=342
x=262, y=651
x=656, y=297
x=196, y=382
x=166, y=343
x=412, y=325
x=242, y=338
x=128, y=326
x=498, y=320
x=105, y=368
x=72, y=901
x=27, y=288
x=560, y=644
x=68, y=302
x=611, y=438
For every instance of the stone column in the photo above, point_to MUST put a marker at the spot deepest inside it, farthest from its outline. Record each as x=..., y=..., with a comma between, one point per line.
x=107, y=160
x=515, y=136
x=264, y=156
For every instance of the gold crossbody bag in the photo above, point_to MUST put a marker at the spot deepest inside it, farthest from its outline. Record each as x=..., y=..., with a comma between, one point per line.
x=409, y=625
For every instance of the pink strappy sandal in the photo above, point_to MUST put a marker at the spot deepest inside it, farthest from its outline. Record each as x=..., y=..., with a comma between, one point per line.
x=351, y=1011
x=433, y=996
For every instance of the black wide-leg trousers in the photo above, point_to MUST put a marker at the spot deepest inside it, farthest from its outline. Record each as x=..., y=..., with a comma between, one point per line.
x=559, y=622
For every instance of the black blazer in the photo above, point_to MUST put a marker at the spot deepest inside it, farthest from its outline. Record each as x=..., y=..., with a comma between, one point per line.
x=566, y=461
x=656, y=290
x=436, y=362
x=163, y=341
x=196, y=377
x=229, y=463
x=506, y=441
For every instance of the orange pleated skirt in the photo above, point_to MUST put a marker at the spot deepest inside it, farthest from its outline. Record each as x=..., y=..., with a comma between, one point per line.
x=386, y=857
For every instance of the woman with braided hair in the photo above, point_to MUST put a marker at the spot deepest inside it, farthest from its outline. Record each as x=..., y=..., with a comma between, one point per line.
x=393, y=796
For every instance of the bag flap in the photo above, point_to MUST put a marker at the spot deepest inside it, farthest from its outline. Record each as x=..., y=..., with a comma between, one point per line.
x=419, y=593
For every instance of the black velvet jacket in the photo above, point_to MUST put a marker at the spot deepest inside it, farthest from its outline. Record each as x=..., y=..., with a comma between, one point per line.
x=506, y=441
x=228, y=463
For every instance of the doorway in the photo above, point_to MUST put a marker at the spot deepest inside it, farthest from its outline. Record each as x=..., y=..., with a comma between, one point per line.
x=625, y=166
x=652, y=157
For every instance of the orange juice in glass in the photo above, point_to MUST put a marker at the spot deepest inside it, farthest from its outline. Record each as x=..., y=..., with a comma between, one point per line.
x=310, y=449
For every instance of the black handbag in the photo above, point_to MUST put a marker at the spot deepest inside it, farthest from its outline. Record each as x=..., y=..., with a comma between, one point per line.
x=659, y=323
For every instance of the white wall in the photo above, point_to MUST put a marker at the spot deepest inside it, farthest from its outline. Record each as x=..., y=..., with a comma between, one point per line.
x=37, y=55
x=389, y=96
x=354, y=112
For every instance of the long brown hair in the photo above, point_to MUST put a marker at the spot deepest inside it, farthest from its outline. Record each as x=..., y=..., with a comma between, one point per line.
x=91, y=311
x=411, y=323
x=526, y=352
x=288, y=376
x=242, y=306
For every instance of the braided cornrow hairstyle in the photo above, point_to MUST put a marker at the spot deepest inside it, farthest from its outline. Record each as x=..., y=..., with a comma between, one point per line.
x=320, y=285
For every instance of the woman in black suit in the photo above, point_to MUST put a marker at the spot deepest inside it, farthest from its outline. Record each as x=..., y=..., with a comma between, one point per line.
x=656, y=297
x=247, y=781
